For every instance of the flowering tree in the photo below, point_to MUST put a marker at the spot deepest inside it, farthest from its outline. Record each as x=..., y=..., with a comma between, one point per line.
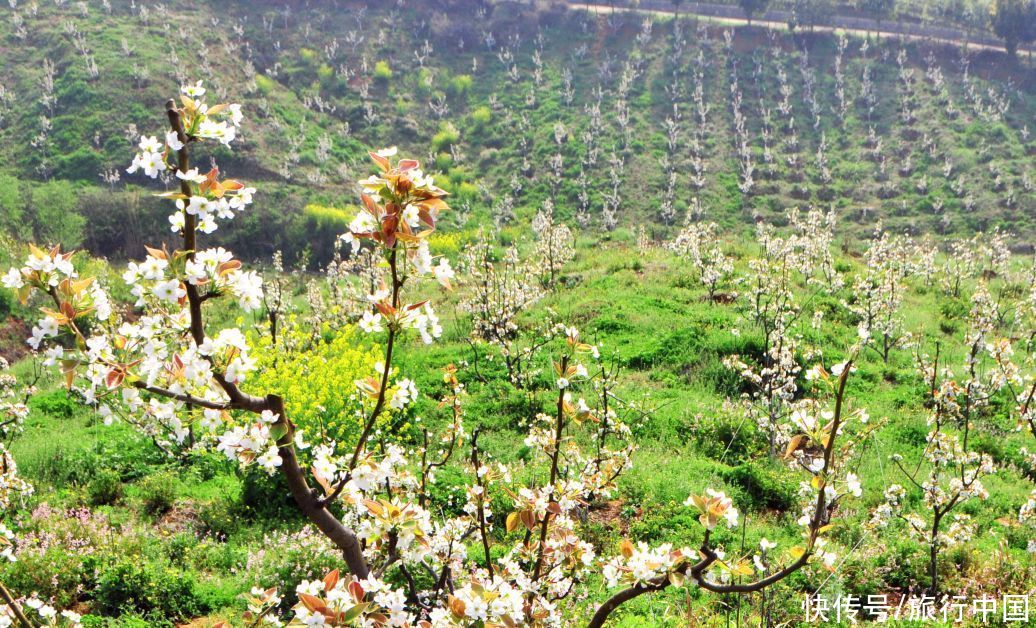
x=555, y=245
x=769, y=303
x=954, y=469
x=878, y=292
x=699, y=244
x=500, y=289
x=167, y=373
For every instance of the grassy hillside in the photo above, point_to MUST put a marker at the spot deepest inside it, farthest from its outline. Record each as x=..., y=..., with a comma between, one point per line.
x=922, y=138
x=628, y=132
x=190, y=536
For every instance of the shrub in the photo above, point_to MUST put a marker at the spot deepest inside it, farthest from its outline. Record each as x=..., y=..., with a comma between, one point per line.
x=482, y=115
x=765, y=487
x=156, y=592
x=320, y=227
x=382, y=71
x=265, y=497
x=289, y=558
x=460, y=84
x=447, y=136
x=106, y=488
x=179, y=548
x=726, y=437
x=54, y=573
x=53, y=209
x=158, y=493
x=264, y=83
x=56, y=403
x=448, y=489
x=220, y=518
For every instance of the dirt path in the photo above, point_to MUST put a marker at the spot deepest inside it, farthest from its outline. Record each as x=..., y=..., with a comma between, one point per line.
x=778, y=25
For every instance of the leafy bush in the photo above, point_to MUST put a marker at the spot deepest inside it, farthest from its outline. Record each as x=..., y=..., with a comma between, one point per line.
x=264, y=83
x=220, y=518
x=106, y=488
x=447, y=136
x=320, y=227
x=55, y=403
x=160, y=594
x=265, y=497
x=54, y=573
x=288, y=558
x=729, y=438
x=382, y=71
x=460, y=84
x=158, y=493
x=482, y=115
x=53, y=209
x=765, y=487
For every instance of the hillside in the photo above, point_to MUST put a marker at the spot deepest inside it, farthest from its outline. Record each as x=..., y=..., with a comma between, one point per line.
x=593, y=113
x=536, y=316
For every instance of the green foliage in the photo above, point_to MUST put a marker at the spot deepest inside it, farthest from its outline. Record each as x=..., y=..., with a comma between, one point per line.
x=12, y=206
x=288, y=558
x=158, y=593
x=460, y=84
x=58, y=403
x=727, y=437
x=765, y=487
x=482, y=115
x=878, y=9
x=105, y=488
x=52, y=206
x=1014, y=21
x=264, y=83
x=158, y=493
x=447, y=136
x=220, y=518
x=753, y=7
x=382, y=71
x=54, y=572
x=265, y=497
x=321, y=226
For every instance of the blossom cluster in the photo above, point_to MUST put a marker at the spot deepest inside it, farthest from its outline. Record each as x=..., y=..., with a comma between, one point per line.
x=203, y=198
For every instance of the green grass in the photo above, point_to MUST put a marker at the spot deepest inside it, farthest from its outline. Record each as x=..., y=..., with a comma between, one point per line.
x=646, y=311
x=643, y=307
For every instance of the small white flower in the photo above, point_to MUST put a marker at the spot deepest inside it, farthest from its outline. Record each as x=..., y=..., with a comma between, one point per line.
x=170, y=290
x=190, y=175
x=173, y=141
x=13, y=279
x=371, y=322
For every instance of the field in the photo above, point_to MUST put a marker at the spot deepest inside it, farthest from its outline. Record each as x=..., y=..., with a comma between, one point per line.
x=691, y=324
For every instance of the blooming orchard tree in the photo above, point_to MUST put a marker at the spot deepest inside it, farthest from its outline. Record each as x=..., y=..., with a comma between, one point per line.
x=699, y=244
x=500, y=289
x=769, y=304
x=405, y=563
x=555, y=246
x=14, y=490
x=954, y=469
x=879, y=290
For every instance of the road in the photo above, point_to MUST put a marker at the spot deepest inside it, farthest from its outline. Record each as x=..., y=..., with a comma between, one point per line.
x=777, y=19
